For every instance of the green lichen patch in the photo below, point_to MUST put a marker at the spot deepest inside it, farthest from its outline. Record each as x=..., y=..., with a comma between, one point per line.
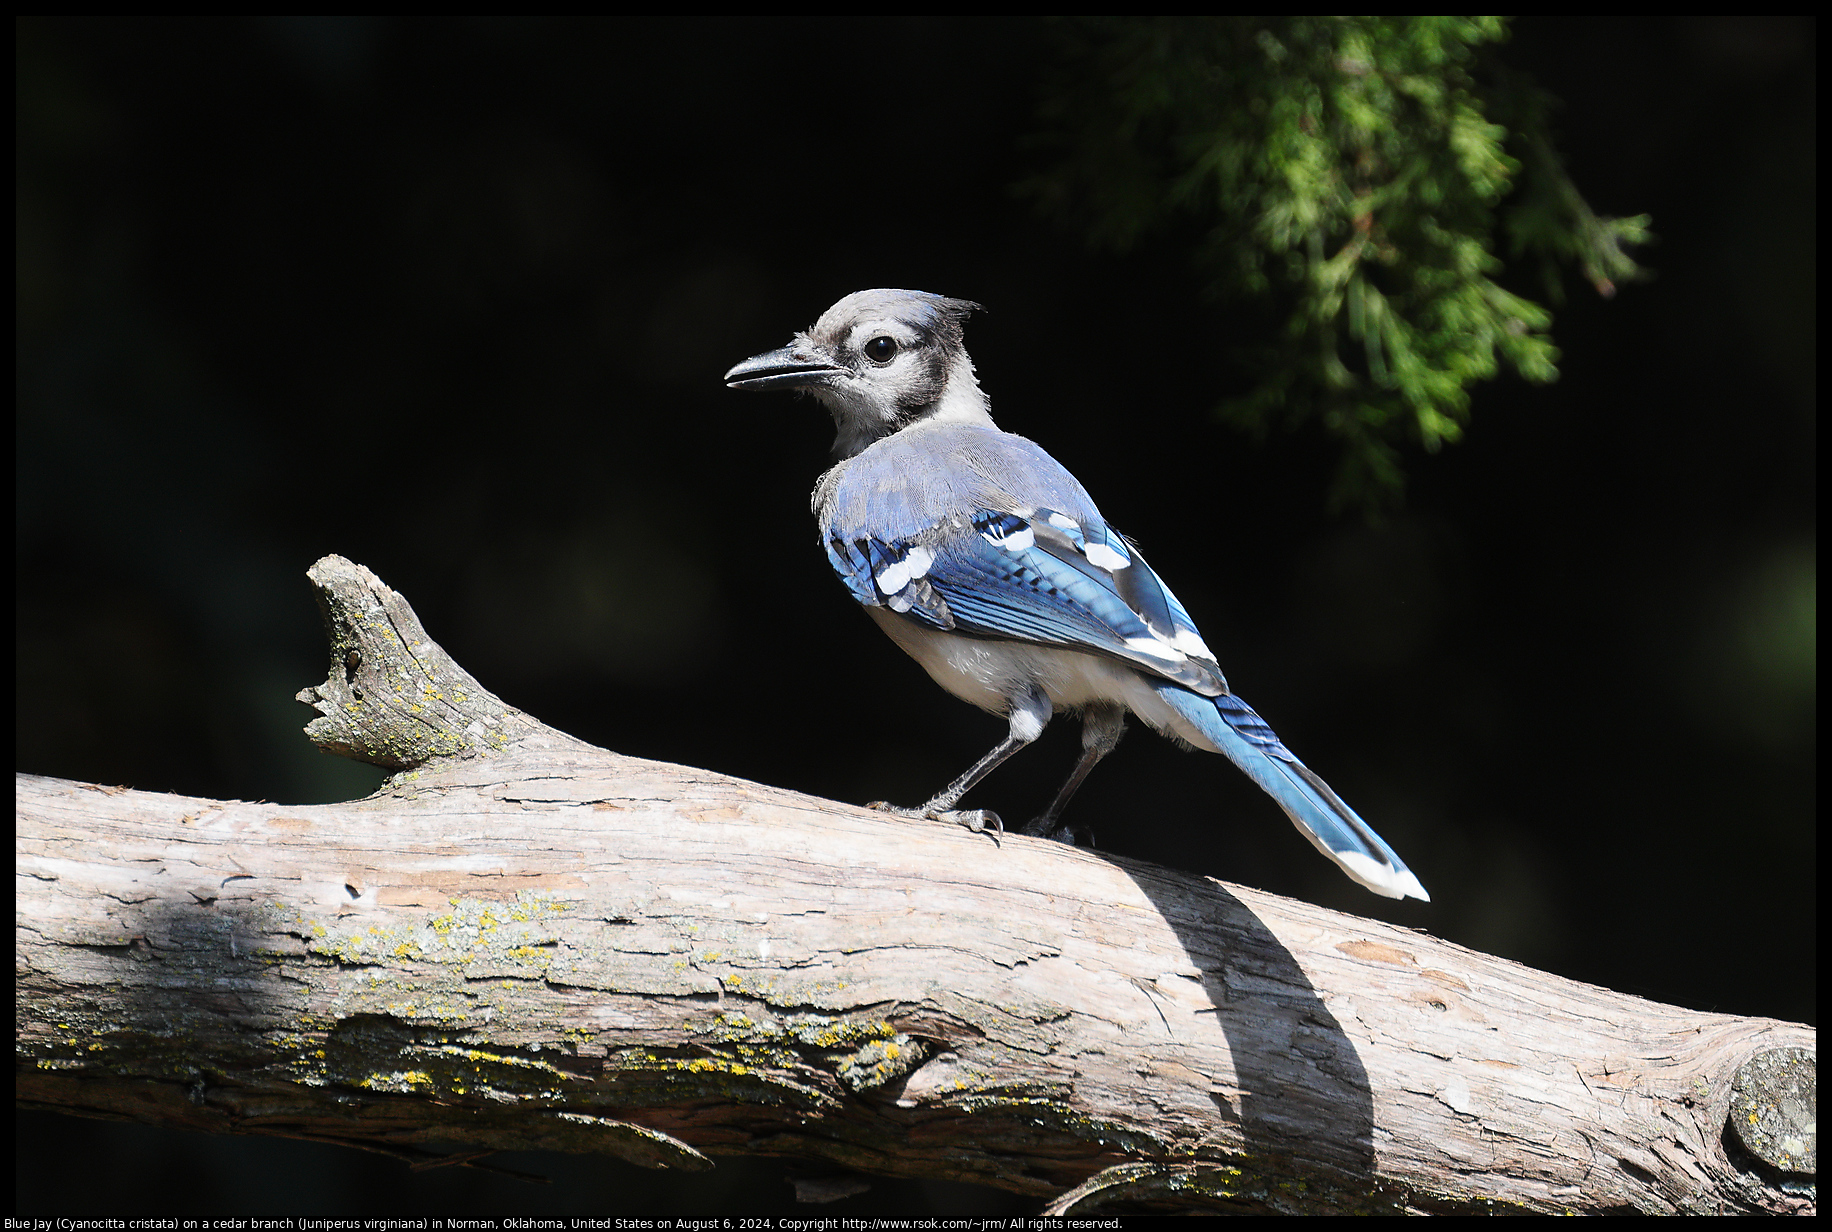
x=863, y=1054
x=719, y=1073
x=880, y=1062
x=484, y=937
x=377, y=1053
x=171, y=1052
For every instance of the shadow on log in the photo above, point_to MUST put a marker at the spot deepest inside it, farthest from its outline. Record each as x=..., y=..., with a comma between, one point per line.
x=525, y=942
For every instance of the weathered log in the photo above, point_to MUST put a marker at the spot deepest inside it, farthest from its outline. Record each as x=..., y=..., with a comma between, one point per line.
x=526, y=942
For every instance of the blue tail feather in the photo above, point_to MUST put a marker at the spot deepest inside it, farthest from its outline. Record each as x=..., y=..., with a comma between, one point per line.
x=1230, y=725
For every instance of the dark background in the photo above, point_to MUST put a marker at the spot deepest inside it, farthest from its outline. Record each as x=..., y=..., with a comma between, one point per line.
x=453, y=299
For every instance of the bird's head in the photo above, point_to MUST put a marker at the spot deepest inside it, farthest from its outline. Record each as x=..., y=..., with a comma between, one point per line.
x=879, y=361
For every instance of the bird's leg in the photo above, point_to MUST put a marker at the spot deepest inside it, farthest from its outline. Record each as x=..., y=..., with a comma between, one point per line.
x=1028, y=715
x=1101, y=729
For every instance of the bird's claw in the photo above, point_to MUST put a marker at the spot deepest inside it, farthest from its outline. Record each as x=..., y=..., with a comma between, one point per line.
x=976, y=820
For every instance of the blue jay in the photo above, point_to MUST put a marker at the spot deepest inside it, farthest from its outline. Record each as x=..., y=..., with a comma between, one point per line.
x=988, y=563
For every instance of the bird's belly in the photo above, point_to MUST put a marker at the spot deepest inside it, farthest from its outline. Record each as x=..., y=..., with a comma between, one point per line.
x=990, y=673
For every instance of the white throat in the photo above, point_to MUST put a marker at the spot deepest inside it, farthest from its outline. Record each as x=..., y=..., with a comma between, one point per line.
x=962, y=399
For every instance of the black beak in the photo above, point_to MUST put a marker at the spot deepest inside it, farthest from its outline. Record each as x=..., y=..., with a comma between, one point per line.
x=796, y=366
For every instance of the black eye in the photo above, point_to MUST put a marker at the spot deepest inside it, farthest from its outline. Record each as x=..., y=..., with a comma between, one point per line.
x=880, y=349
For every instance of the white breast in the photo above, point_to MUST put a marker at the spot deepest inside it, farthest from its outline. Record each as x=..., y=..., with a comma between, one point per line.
x=989, y=673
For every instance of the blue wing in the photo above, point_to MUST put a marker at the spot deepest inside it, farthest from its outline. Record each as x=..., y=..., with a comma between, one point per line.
x=1040, y=576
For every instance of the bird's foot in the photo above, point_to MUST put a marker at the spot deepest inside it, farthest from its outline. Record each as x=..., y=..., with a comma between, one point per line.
x=976, y=820
x=1057, y=830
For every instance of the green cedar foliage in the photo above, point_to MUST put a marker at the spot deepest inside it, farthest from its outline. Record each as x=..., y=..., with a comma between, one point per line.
x=1351, y=171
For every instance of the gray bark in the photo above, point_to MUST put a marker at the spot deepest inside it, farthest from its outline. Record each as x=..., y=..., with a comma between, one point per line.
x=525, y=942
